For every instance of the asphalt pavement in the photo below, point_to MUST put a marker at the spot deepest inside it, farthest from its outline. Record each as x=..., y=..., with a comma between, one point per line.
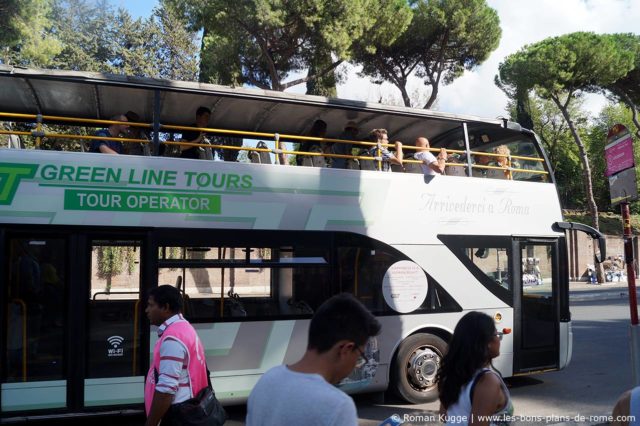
x=583, y=291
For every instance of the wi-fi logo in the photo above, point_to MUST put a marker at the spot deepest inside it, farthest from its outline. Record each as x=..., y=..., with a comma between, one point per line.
x=115, y=341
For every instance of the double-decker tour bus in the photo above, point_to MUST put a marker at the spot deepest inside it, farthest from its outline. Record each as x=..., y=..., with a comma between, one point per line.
x=256, y=242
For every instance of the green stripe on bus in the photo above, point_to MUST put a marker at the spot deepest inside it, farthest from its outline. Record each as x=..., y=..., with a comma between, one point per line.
x=198, y=218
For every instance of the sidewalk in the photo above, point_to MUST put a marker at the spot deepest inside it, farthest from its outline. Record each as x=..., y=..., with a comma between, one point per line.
x=581, y=291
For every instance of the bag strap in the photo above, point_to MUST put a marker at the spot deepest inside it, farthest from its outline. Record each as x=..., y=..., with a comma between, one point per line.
x=208, y=376
x=475, y=382
x=156, y=375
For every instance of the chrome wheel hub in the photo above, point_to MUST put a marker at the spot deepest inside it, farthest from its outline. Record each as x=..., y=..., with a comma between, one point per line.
x=423, y=366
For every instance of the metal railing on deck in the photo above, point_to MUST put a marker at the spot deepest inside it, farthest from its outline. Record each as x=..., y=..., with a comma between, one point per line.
x=278, y=138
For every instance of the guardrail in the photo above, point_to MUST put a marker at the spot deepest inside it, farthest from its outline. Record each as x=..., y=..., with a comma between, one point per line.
x=278, y=138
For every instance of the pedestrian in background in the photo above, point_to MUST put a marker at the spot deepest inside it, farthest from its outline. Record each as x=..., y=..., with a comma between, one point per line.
x=303, y=393
x=626, y=412
x=471, y=390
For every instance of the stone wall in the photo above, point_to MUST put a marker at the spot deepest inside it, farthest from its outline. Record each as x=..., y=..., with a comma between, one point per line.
x=581, y=252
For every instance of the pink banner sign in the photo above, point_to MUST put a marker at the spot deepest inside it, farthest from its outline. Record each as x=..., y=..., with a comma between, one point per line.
x=619, y=150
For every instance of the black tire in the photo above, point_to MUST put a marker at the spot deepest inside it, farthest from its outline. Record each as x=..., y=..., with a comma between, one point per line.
x=414, y=368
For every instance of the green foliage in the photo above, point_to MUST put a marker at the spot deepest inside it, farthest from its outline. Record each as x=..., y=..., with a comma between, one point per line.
x=112, y=261
x=558, y=143
x=560, y=69
x=324, y=84
x=565, y=65
x=597, y=136
x=263, y=42
x=610, y=222
x=27, y=34
x=85, y=35
x=444, y=39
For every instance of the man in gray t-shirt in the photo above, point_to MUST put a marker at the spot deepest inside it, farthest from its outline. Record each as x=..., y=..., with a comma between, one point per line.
x=303, y=393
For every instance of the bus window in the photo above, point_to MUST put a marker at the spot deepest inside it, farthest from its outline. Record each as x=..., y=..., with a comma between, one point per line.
x=113, y=333
x=246, y=282
x=361, y=267
x=494, y=263
x=36, y=286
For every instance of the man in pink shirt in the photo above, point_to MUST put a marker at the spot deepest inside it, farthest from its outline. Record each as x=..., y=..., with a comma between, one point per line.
x=178, y=370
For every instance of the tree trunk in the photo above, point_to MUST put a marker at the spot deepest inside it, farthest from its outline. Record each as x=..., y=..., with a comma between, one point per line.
x=405, y=96
x=586, y=177
x=586, y=168
x=633, y=108
x=433, y=97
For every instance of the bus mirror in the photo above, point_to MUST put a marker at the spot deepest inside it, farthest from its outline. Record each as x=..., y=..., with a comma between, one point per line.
x=593, y=233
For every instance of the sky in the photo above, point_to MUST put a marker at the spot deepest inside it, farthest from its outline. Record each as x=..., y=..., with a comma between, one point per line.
x=523, y=22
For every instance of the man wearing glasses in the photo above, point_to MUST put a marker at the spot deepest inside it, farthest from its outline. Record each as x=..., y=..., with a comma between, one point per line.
x=304, y=392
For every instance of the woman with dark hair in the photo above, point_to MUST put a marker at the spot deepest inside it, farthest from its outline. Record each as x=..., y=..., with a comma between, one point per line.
x=471, y=390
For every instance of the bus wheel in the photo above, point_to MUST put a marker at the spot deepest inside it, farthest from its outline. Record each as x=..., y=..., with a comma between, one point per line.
x=414, y=369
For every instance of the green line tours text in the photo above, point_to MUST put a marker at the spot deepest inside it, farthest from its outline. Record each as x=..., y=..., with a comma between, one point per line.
x=144, y=177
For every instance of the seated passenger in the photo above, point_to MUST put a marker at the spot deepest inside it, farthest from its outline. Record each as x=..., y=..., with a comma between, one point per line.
x=481, y=160
x=203, y=115
x=113, y=131
x=135, y=132
x=502, y=161
x=350, y=133
x=430, y=164
x=381, y=137
x=318, y=130
x=455, y=170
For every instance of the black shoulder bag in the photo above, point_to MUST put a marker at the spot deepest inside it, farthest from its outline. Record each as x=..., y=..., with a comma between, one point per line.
x=204, y=409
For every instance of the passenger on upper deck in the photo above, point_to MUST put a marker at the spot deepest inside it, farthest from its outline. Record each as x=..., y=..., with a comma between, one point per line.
x=318, y=130
x=203, y=115
x=113, y=131
x=430, y=164
x=136, y=133
x=381, y=137
x=350, y=133
x=502, y=161
x=481, y=160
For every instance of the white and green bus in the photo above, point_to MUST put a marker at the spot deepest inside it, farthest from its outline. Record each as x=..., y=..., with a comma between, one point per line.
x=256, y=247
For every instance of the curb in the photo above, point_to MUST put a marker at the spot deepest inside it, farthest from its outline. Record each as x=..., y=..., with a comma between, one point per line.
x=599, y=295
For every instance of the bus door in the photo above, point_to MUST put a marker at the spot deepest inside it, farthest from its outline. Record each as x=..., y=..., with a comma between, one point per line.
x=536, y=304
x=34, y=362
x=114, y=359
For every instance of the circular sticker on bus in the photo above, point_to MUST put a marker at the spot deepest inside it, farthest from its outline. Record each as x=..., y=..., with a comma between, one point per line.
x=404, y=286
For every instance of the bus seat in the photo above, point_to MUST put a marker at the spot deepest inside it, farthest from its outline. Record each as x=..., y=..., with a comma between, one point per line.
x=353, y=164
x=260, y=157
x=316, y=160
x=14, y=142
x=497, y=174
x=368, y=165
x=455, y=171
x=206, y=153
x=254, y=157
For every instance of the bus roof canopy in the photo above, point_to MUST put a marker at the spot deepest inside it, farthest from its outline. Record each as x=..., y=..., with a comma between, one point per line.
x=100, y=96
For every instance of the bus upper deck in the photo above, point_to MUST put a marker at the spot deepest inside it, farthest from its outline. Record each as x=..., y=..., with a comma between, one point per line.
x=167, y=108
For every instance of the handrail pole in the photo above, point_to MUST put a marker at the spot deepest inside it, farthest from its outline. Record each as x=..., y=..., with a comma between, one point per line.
x=38, y=130
x=467, y=147
x=135, y=336
x=156, y=122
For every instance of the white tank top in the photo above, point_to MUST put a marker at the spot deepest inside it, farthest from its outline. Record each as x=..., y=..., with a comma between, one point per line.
x=459, y=413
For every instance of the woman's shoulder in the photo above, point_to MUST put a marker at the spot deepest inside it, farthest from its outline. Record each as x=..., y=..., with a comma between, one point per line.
x=488, y=379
